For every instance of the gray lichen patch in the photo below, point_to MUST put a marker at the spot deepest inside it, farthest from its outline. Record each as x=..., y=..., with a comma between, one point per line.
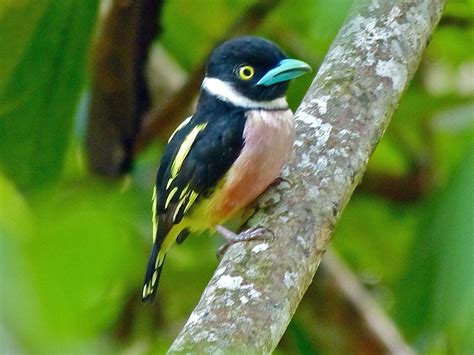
x=396, y=72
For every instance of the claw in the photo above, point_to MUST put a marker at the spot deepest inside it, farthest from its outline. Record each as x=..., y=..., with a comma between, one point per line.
x=247, y=235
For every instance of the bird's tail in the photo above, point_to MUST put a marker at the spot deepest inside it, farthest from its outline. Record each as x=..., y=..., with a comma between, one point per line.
x=153, y=272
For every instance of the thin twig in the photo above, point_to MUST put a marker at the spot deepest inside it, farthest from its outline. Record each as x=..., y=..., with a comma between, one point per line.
x=379, y=325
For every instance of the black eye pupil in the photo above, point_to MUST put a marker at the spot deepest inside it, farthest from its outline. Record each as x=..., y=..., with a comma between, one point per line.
x=247, y=72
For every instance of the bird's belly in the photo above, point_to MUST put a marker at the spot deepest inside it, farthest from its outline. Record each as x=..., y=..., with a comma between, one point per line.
x=268, y=137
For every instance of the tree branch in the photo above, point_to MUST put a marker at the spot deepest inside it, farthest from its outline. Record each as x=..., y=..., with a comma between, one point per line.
x=256, y=289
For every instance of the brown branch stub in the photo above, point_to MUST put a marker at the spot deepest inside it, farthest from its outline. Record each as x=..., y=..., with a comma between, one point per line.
x=119, y=93
x=257, y=287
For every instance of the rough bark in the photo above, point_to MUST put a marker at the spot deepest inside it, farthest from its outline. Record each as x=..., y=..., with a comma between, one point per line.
x=256, y=288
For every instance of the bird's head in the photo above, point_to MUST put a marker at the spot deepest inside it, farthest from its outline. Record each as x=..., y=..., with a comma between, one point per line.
x=254, y=68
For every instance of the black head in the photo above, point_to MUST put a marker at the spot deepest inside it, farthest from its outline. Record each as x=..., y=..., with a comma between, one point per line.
x=253, y=66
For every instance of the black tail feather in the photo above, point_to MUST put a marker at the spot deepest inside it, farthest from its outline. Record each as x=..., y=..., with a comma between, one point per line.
x=152, y=276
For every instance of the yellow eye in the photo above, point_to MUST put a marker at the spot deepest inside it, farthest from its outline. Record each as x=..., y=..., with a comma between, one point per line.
x=246, y=72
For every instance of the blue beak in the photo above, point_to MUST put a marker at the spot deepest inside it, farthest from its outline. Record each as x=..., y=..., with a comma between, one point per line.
x=286, y=70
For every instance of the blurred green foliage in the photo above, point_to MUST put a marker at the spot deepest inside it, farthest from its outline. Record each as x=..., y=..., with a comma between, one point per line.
x=435, y=294
x=73, y=248
x=40, y=84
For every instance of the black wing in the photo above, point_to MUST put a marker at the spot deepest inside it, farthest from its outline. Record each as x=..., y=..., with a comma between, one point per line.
x=211, y=141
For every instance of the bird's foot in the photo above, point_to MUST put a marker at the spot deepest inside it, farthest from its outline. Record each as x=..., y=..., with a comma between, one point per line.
x=247, y=235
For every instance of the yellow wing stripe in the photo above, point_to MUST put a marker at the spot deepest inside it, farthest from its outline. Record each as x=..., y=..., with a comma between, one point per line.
x=193, y=196
x=185, y=148
x=184, y=123
x=178, y=207
x=181, y=155
x=170, y=196
x=184, y=192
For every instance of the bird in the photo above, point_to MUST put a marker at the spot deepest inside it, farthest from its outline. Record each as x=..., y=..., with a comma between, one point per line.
x=228, y=152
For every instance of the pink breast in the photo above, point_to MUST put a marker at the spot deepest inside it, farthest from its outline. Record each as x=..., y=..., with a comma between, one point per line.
x=269, y=137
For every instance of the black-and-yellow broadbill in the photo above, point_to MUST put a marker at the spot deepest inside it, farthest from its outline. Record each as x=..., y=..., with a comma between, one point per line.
x=225, y=155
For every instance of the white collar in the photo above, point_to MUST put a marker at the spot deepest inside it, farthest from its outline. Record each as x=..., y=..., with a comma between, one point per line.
x=224, y=91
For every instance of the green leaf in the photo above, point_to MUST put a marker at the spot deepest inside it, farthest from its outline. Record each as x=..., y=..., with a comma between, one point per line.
x=13, y=46
x=44, y=46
